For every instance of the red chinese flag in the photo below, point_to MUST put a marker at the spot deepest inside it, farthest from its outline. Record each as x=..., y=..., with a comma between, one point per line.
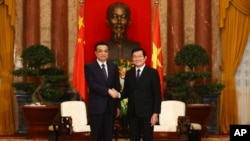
x=78, y=72
x=157, y=49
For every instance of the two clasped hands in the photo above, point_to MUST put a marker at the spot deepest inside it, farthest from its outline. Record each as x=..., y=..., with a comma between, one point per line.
x=114, y=93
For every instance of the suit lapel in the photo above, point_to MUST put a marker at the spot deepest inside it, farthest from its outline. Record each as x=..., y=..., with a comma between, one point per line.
x=111, y=69
x=143, y=74
x=133, y=70
x=99, y=69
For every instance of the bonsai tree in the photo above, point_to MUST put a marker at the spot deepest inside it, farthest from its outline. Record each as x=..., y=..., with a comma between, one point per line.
x=190, y=84
x=40, y=80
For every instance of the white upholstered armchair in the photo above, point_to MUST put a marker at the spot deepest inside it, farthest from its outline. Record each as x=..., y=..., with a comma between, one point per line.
x=173, y=124
x=74, y=124
x=170, y=110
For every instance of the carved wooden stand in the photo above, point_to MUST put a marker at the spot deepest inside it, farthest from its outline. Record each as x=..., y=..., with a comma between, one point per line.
x=199, y=113
x=39, y=118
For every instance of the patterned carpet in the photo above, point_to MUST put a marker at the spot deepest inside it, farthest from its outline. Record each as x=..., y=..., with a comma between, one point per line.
x=23, y=138
x=203, y=139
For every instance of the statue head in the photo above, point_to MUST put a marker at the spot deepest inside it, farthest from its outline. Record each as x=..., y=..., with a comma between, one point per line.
x=118, y=18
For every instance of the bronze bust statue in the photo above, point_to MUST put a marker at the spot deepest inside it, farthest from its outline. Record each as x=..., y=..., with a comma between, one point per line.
x=118, y=19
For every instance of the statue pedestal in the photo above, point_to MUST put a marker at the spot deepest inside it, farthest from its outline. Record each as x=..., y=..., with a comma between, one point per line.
x=39, y=119
x=212, y=126
x=22, y=99
x=200, y=113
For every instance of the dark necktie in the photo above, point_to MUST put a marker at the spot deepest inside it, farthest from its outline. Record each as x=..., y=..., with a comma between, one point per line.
x=138, y=74
x=104, y=71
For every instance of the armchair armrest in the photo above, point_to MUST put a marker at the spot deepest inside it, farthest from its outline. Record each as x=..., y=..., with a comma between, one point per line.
x=64, y=126
x=183, y=126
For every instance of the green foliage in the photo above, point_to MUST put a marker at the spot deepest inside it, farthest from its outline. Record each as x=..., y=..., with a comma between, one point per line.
x=183, y=77
x=37, y=55
x=123, y=66
x=191, y=55
x=29, y=88
x=54, y=75
x=52, y=93
x=46, y=81
x=52, y=71
x=55, y=78
x=191, y=85
x=26, y=72
x=206, y=88
x=124, y=107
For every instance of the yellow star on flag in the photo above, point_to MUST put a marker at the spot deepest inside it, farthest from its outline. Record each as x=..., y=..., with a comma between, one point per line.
x=80, y=22
x=155, y=60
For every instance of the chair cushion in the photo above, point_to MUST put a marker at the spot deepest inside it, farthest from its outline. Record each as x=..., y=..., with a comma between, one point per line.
x=195, y=126
x=164, y=128
x=50, y=128
x=85, y=128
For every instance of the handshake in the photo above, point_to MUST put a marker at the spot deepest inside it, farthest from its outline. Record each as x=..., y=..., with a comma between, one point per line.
x=114, y=93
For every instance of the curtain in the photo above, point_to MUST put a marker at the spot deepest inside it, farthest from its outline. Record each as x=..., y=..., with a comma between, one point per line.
x=223, y=7
x=235, y=27
x=7, y=112
x=243, y=86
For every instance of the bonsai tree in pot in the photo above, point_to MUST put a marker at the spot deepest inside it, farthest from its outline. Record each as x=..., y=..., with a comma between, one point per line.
x=40, y=80
x=190, y=84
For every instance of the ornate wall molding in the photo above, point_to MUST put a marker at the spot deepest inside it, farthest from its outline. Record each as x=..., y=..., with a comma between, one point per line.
x=1, y=1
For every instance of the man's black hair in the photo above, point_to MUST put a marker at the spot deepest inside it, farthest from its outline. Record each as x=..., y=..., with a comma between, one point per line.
x=139, y=49
x=101, y=43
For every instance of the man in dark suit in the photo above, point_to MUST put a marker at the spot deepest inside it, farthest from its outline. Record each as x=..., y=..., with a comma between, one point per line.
x=143, y=89
x=102, y=75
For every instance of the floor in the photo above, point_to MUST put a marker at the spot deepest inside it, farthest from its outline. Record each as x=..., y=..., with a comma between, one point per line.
x=209, y=138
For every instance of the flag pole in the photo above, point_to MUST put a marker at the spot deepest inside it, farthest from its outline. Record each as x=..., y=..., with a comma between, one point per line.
x=157, y=59
x=78, y=69
x=81, y=1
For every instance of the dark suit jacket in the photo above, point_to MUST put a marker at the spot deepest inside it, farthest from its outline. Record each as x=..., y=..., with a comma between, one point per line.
x=144, y=96
x=99, y=98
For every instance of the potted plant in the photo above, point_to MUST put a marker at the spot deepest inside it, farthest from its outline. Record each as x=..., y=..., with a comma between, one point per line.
x=40, y=80
x=44, y=84
x=191, y=84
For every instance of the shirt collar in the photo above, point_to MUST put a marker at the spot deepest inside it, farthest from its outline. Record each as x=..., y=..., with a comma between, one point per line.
x=141, y=68
x=100, y=63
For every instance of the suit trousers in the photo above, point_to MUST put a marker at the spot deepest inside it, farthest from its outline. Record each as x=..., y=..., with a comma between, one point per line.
x=102, y=126
x=140, y=127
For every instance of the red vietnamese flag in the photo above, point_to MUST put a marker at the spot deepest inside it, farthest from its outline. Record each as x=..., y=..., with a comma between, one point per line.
x=78, y=71
x=156, y=48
